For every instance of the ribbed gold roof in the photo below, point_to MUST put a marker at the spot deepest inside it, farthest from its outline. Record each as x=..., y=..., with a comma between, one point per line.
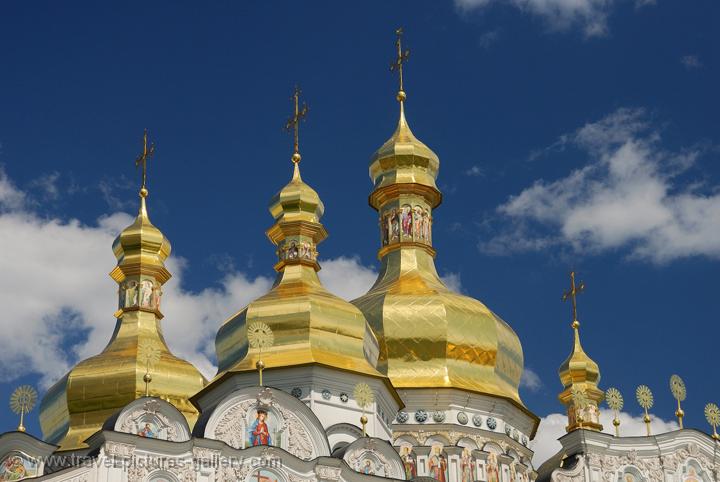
x=78, y=405
x=404, y=159
x=430, y=337
x=310, y=325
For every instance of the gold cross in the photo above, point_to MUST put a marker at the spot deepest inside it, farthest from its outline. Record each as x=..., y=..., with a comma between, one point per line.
x=402, y=57
x=572, y=294
x=147, y=153
x=293, y=123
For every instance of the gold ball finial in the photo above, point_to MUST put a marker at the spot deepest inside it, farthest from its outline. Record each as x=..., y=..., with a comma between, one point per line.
x=576, y=324
x=144, y=192
x=364, y=419
x=260, y=365
x=147, y=378
x=401, y=96
x=296, y=157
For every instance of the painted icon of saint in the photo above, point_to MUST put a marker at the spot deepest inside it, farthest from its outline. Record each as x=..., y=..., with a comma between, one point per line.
x=409, y=464
x=466, y=466
x=492, y=468
x=147, y=431
x=437, y=466
x=259, y=431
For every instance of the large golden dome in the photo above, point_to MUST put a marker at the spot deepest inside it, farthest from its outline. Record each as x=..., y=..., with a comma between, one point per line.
x=311, y=326
x=430, y=337
x=78, y=405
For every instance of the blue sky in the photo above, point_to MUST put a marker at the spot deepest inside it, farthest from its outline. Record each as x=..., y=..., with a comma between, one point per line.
x=576, y=134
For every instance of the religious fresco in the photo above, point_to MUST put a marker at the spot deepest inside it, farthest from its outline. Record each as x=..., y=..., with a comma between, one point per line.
x=148, y=430
x=297, y=250
x=263, y=475
x=262, y=428
x=692, y=475
x=409, y=462
x=145, y=294
x=437, y=464
x=17, y=466
x=467, y=466
x=493, y=472
x=406, y=224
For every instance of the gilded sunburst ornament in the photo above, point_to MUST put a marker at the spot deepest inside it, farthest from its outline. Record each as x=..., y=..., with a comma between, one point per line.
x=712, y=414
x=363, y=395
x=614, y=399
x=260, y=335
x=148, y=352
x=677, y=387
x=23, y=399
x=644, y=397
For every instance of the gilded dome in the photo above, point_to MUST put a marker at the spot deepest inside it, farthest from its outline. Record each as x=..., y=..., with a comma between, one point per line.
x=78, y=405
x=310, y=325
x=430, y=337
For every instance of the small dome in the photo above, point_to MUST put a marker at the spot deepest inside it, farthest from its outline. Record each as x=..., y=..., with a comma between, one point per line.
x=142, y=244
x=297, y=201
x=404, y=159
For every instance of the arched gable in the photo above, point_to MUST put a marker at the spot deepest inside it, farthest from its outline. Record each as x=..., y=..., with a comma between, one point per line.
x=265, y=416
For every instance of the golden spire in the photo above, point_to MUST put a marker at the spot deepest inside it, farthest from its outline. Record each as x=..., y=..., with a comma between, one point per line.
x=397, y=65
x=580, y=372
x=293, y=123
x=78, y=405
x=23, y=401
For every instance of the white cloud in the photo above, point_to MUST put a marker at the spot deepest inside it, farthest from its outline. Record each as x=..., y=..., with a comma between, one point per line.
x=590, y=15
x=346, y=276
x=530, y=380
x=629, y=195
x=691, y=62
x=552, y=427
x=58, y=299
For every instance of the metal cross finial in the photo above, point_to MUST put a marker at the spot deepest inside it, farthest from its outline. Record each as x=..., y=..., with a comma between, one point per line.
x=293, y=123
x=572, y=294
x=147, y=153
x=402, y=57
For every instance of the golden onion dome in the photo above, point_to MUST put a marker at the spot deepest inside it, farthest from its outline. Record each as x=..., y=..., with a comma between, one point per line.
x=430, y=336
x=78, y=405
x=404, y=159
x=297, y=201
x=310, y=325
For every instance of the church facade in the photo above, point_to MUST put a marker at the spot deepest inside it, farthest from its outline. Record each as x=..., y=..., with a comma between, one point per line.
x=411, y=381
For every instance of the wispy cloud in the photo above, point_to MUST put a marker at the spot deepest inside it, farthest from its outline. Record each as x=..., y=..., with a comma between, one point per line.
x=591, y=16
x=691, y=62
x=489, y=38
x=632, y=194
x=530, y=380
x=475, y=171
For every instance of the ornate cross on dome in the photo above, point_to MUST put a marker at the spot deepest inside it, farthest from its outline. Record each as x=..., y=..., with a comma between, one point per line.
x=402, y=57
x=572, y=294
x=147, y=153
x=293, y=123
